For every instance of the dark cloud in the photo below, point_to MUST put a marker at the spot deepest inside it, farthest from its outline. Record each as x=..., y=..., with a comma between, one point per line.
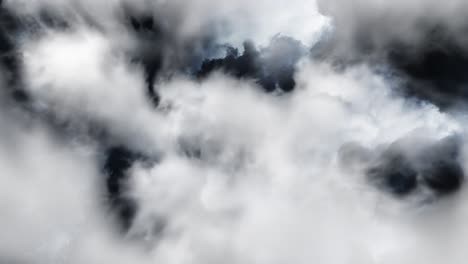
x=394, y=173
x=421, y=41
x=9, y=55
x=117, y=162
x=436, y=71
x=402, y=167
x=272, y=67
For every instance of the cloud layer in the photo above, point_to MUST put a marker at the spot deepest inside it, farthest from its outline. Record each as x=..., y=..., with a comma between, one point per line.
x=132, y=132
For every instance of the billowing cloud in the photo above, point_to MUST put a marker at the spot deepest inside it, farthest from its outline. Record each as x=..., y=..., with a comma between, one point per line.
x=232, y=131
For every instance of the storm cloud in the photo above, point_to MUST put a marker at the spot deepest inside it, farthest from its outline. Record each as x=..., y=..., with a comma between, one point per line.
x=201, y=131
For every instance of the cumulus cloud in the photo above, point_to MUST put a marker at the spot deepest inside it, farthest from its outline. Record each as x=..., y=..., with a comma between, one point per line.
x=51, y=204
x=82, y=79
x=266, y=168
x=233, y=21
x=381, y=23
x=344, y=168
x=425, y=41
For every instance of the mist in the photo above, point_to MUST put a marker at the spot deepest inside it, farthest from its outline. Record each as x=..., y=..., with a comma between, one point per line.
x=233, y=131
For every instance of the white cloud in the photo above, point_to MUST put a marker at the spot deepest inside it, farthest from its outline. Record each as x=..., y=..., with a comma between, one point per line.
x=244, y=176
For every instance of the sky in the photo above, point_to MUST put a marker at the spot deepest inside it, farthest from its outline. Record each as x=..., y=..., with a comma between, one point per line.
x=202, y=131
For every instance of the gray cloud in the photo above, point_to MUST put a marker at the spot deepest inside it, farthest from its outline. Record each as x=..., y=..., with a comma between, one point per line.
x=218, y=170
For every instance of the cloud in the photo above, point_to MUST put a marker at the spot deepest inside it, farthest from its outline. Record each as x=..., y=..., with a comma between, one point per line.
x=423, y=41
x=264, y=185
x=218, y=170
x=79, y=77
x=51, y=202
